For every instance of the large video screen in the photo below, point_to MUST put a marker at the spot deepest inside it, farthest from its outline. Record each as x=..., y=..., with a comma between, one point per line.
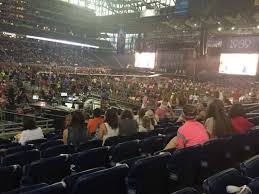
x=145, y=60
x=238, y=63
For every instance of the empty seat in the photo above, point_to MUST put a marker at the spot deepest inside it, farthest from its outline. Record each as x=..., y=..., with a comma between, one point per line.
x=57, y=150
x=150, y=175
x=57, y=188
x=9, y=145
x=111, y=141
x=125, y=150
x=130, y=162
x=21, y=158
x=19, y=148
x=10, y=177
x=50, y=144
x=36, y=142
x=90, y=145
x=48, y=170
x=250, y=167
x=4, y=141
x=71, y=180
x=98, y=157
x=110, y=181
x=152, y=144
x=185, y=166
x=217, y=183
x=215, y=155
x=186, y=191
x=27, y=188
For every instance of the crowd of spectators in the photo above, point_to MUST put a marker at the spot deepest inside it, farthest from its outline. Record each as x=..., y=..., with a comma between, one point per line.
x=25, y=51
x=198, y=107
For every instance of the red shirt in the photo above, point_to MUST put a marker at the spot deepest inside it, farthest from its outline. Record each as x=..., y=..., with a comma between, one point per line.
x=190, y=134
x=92, y=124
x=241, y=125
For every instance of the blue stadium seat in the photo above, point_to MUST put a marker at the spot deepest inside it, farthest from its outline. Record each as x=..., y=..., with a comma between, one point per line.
x=27, y=188
x=130, y=162
x=110, y=181
x=10, y=177
x=19, y=148
x=150, y=175
x=9, y=145
x=4, y=141
x=152, y=144
x=50, y=144
x=186, y=191
x=250, y=167
x=125, y=150
x=217, y=183
x=57, y=150
x=36, y=142
x=90, y=145
x=48, y=170
x=21, y=158
x=71, y=180
x=111, y=141
x=215, y=155
x=142, y=135
x=185, y=166
x=57, y=188
x=98, y=157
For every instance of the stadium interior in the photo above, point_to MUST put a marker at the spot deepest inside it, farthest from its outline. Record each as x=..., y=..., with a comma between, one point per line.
x=129, y=96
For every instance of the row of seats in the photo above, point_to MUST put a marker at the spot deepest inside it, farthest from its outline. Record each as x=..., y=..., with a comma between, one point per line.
x=146, y=175
x=24, y=155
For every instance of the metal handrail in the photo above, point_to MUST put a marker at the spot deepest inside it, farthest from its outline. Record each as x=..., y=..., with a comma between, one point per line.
x=44, y=123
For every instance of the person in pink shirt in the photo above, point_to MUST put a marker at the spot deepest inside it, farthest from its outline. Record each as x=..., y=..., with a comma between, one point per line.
x=191, y=132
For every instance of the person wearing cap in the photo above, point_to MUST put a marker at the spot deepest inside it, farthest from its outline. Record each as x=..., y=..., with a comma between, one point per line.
x=191, y=132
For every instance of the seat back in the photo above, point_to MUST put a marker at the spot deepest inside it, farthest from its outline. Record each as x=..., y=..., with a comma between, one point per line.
x=98, y=157
x=152, y=144
x=57, y=188
x=19, y=148
x=4, y=141
x=57, y=150
x=217, y=183
x=111, y=141
x=90, y=145
x=9, y=145
x=50, y=144
x=185, y=164
x=250, y=167
x=48, y=170
x=150, y=175
x=71, y=180
x=36, y=142
x=27, y=188
x=112, y=181
x=21, y=158
x=125, y=150
x=188, y=190
x=10, y=177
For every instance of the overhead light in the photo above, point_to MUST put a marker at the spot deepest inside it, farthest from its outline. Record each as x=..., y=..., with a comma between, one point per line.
x=233, y=28
x=61, y=41
x=257, y=26
x=219, y=29
x=219, y=22
x=195, y=25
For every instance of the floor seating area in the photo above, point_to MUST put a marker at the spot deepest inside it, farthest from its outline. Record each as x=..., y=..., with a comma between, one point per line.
x=136, y=164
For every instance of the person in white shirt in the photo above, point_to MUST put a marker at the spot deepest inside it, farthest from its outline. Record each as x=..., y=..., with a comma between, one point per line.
x=30, y=132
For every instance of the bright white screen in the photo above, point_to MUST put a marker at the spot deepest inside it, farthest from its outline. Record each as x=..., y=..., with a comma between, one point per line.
x=145, y=60
x=238, y=64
